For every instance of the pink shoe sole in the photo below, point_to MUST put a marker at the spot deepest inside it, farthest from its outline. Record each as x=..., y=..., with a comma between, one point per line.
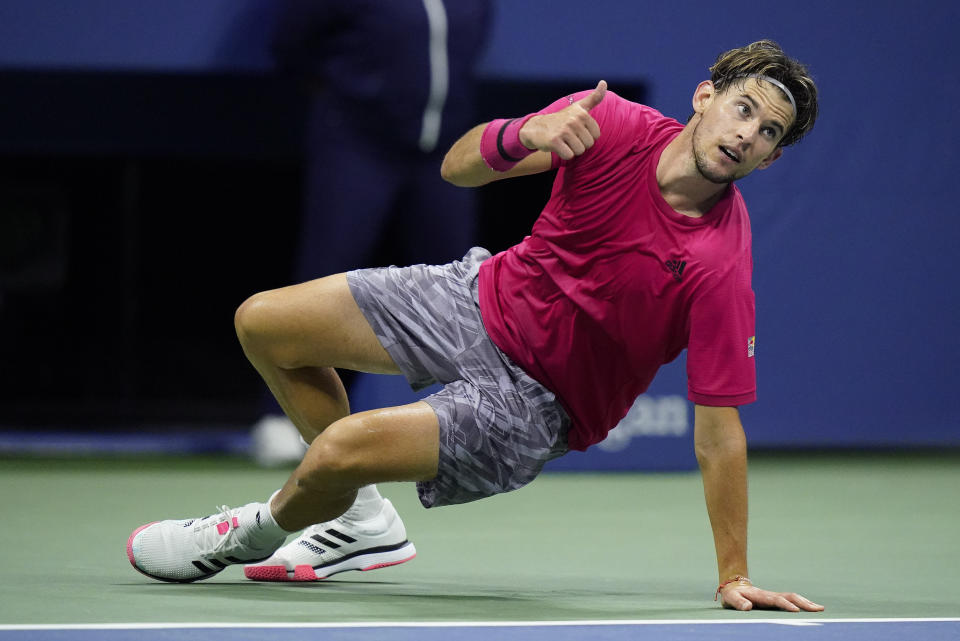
x=304, y=573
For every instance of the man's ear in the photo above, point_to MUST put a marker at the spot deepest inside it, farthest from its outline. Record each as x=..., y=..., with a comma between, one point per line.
x=769, y=160
x=702, y=96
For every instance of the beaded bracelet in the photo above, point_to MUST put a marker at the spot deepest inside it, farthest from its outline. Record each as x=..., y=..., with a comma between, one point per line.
x=742, y=580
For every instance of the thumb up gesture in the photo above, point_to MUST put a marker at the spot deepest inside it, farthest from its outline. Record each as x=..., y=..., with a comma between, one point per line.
x=568, y=132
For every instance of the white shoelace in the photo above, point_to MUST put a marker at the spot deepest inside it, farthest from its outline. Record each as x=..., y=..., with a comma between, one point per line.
x=222, y=538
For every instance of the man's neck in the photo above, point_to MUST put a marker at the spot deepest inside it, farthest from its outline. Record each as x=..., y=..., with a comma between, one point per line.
x=681, y=184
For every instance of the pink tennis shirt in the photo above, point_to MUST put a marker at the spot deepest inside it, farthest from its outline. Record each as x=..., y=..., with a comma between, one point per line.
x=612, y=282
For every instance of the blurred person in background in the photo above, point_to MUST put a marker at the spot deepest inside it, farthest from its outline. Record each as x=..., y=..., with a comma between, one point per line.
x=392, y=85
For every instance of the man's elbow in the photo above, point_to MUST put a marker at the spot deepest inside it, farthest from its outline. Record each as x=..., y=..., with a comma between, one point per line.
x=448, y=171
x=455, y=173
x=718, y=433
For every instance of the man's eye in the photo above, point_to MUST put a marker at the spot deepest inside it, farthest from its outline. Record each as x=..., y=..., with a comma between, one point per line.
x=744, y=109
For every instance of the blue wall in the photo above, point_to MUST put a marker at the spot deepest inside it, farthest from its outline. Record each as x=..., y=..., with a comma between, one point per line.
x=172, y=35
x=854, y=233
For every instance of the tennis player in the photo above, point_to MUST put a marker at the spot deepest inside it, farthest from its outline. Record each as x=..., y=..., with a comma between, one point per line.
x=643, y=250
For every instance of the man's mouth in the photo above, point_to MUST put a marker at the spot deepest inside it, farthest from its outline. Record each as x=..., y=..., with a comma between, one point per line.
x=730, y=154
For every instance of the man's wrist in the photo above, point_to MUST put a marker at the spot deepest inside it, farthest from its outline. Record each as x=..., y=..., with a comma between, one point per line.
x=520, y=135
x=500, y=145
x=737, y=579
x=732, y=573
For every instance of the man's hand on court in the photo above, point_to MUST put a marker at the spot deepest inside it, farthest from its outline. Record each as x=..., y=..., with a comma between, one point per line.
x=747, y=597
x=568, y=132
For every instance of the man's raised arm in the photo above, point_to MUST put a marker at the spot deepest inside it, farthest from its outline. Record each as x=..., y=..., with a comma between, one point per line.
x=507, y=148
x=722, y=453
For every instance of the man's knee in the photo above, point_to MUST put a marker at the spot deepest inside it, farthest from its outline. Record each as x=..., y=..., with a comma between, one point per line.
x=271, y=328
x=252, y=321
x=335, y=459
x=313, y=324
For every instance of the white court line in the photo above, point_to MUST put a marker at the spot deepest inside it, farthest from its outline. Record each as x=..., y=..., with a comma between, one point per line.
x=454, y=624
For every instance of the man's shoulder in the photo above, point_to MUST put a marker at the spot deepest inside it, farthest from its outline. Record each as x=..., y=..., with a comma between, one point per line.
x=633, y=125
x=635, y=110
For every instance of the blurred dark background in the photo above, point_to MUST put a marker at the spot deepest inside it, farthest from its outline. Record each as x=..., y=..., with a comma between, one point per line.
x=139, y=210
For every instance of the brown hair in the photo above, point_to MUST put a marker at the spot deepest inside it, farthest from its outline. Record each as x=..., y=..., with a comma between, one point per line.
x=766, y=58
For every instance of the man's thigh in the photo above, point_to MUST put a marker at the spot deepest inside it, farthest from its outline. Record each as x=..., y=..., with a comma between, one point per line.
x=313, y=324
x=378, y=446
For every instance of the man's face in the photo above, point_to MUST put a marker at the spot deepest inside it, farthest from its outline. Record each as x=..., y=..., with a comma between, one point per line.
x=738, y=129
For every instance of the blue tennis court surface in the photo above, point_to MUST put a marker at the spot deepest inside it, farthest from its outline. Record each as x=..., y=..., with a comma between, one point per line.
x=752, y=630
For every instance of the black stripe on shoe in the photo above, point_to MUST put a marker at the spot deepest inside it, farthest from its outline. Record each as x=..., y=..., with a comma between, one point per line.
x=374, y=550
x=324, y=541
x=205, y=569
x=340, y=535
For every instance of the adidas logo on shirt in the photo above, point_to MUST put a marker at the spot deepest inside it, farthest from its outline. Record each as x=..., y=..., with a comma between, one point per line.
x=676, y=268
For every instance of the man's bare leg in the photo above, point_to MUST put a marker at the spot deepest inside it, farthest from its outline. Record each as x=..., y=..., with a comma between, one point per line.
x=295, y=336
x=392, y=444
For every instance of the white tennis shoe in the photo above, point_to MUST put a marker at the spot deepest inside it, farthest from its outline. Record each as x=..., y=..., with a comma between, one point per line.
x=337, y=546
x=194, y=549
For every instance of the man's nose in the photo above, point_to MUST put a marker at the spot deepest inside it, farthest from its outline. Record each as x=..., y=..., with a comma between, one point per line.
x=747, y=134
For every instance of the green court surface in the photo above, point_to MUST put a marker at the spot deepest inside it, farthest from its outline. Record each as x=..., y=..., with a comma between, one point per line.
x=866, y=535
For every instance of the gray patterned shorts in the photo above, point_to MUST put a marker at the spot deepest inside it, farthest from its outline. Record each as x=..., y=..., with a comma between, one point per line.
x=498, y=426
